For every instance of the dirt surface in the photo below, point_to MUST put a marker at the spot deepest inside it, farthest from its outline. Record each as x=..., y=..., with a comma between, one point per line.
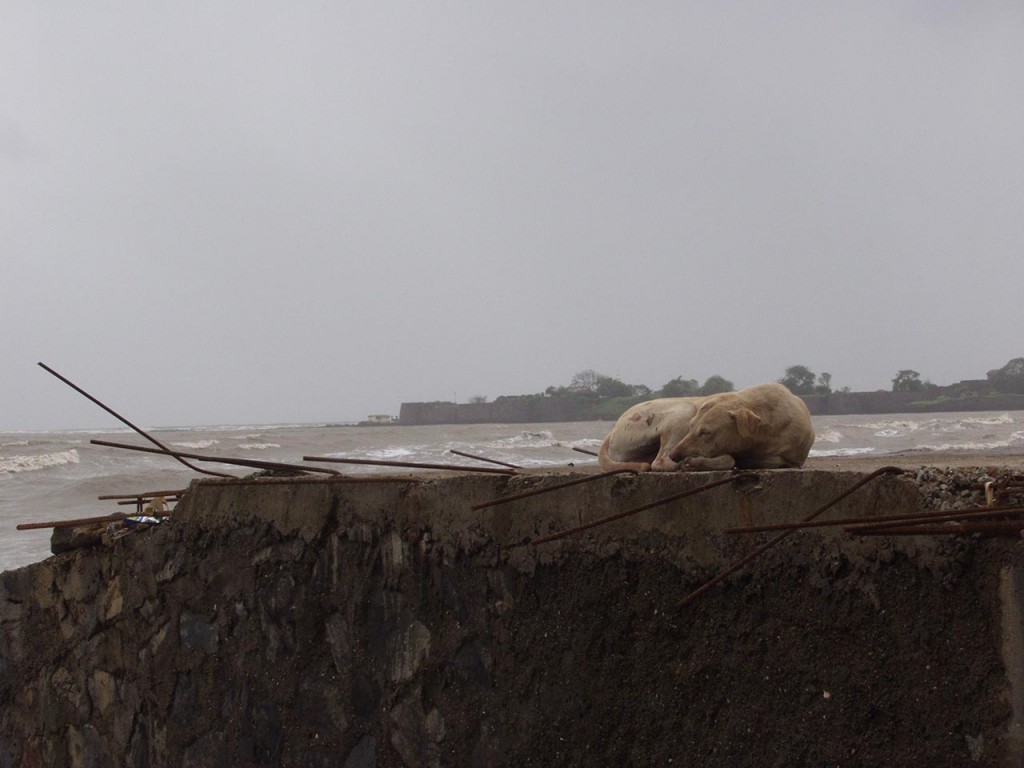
x=1013, y=461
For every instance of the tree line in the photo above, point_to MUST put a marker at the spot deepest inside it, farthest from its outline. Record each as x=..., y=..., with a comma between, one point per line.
x=801, y=380
x=591, y=395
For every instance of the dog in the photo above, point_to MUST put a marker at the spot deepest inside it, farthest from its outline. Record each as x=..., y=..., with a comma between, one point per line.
x=760, y=427
x=644, y=435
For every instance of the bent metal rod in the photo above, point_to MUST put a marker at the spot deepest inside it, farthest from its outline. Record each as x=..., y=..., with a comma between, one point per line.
x=125, y=421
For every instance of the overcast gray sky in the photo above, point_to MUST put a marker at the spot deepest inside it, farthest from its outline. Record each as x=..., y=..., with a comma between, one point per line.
x=253, y=212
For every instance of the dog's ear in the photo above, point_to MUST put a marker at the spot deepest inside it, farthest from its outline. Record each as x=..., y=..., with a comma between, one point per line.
x=747, y=421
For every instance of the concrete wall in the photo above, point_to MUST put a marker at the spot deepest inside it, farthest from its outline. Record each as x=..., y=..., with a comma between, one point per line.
x=384, y=622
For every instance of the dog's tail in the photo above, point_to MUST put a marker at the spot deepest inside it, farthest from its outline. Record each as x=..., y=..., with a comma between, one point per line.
x=609, y=464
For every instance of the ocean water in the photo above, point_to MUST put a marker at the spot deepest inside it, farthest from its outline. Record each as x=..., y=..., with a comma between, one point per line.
x=59, y=475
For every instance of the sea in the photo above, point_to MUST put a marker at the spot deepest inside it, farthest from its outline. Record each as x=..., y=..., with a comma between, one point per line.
x=59, y=475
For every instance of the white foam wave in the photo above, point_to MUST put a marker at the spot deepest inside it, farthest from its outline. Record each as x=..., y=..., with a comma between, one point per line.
x=1016, y=438
x=843, y=452
x=829, y=436
x=901, y=425
x=196, y=444
x=387, y=454
x=257, y=446
x=541, y=439
x=30, y=463
x=936, y=424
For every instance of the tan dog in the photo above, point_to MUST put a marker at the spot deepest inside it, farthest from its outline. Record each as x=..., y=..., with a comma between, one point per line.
x=762, y=427
x=643, y=436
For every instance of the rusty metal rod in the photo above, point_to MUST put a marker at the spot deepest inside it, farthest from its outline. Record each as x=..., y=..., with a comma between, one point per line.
x=146, y=495
x=484, y=458
x=123, y=420
x=82, y=521
x=724, y=574
x=644, y=507
x=168, y=499
x=253, y=463
x=549, y=488
x=926, y=517
x=997, y=528
x=410, y=464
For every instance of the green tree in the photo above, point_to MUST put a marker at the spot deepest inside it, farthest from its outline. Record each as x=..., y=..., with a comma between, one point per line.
x=1010, y=378
x=907, y=381
x=824, y=385
x=680, y=387
x=799, y=379
x=585, y=381
x=715, y=384
x=606, y=386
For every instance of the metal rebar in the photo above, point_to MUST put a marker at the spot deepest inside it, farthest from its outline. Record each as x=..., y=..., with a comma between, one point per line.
x=253, y=463
x=644, y=507
x=411, y=464
x=123, y=420
x=146, y=495
x=722, y=575
x=138, y=503
x=925, y=517
x=549, y=488
x=997, y=528
x=83, y=521
x=484, y=458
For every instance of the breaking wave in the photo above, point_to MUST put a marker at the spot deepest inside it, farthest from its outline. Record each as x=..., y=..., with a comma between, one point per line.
x=540, y=439
x=843, y=452
x=829, y=436
x=893, y=427
x=1015, y=439
x=197, y=444
x=31, y=463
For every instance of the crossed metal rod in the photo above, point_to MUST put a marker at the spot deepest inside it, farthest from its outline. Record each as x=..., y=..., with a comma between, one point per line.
x=994, y=528
x=253, y=463
x=550, y=488
x=125, y=421
x=724, y=574
x=410, y=464
x=875, y=521
x=660, y=502
x=484, y=458
x=144, y=495
x=82, y=521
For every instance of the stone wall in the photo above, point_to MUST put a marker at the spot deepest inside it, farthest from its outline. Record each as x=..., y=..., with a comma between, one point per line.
x=384, y=622
x=535, y=409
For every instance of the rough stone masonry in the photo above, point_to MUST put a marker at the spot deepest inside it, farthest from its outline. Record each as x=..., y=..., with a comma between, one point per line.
x=305, y=622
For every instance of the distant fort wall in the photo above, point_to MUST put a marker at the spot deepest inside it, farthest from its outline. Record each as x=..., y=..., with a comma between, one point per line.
x=527, y=409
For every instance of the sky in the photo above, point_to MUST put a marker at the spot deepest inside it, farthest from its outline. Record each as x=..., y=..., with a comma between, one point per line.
x=262, y=212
